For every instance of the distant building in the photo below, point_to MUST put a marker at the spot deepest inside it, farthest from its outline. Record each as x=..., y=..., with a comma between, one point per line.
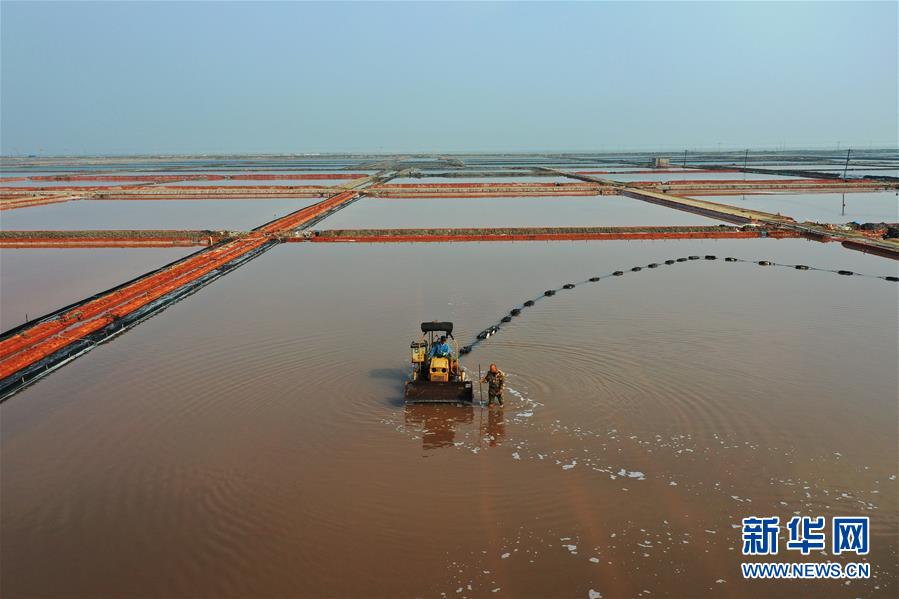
x=661, y=162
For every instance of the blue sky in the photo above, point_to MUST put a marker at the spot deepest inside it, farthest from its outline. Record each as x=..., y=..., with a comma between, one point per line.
x=232, y=77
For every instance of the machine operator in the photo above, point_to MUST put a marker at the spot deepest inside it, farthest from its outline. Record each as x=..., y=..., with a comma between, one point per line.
x=441, y=349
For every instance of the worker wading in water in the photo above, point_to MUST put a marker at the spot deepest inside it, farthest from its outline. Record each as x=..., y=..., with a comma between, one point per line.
x=496, y=384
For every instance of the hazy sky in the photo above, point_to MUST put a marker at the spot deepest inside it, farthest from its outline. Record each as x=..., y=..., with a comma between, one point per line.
x=160, y=77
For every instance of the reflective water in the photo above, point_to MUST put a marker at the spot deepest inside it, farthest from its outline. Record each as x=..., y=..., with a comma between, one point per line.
x=264, y=182
x=252, y=440
x=186, y=173
x=577, y=211
x=34, y=282
x=881, y=206
x=450, y=180
x=151, y=214
x=51, y=184
x=701, y=176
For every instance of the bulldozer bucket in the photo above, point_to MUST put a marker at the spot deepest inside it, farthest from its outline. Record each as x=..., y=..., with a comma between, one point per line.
x=428, y=392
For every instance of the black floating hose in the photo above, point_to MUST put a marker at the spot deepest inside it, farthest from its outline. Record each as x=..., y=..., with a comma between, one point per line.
x=490, y=331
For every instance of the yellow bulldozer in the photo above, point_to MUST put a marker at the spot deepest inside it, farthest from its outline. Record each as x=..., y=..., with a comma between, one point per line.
x=437, y=376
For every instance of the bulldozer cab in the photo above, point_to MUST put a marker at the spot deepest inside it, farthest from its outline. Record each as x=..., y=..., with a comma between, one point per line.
x=436, y=378
x=431, y=333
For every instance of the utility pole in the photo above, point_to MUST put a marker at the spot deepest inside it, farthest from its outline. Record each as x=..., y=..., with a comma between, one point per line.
x=745, y=162
x=685, y=158
x=846, y=168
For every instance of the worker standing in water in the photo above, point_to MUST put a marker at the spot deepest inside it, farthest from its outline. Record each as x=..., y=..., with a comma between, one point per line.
x=496, y=384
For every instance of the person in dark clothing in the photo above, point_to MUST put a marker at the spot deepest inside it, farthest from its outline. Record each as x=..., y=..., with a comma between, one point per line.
x=496, y=384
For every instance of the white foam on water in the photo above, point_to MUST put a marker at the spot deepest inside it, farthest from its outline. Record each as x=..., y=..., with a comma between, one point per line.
x=634, y=474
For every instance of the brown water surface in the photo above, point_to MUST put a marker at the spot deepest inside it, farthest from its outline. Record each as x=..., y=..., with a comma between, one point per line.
x=252, y=439
x=34, y=282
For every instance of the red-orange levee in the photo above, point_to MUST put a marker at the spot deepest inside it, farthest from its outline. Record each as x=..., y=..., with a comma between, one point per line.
x=44, y=338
